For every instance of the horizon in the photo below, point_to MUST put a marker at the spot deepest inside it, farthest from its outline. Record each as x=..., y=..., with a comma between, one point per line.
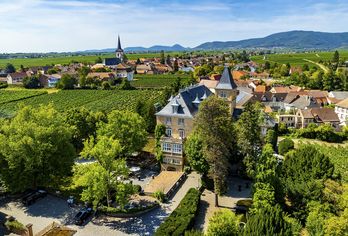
x=79, y=25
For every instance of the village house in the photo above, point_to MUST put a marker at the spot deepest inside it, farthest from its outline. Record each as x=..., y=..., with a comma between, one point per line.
x=16, y=77
x=145, y=69
x=102, y=76
x=177, y=116
x=321, y=115
x=124, y=71
x=341, y=110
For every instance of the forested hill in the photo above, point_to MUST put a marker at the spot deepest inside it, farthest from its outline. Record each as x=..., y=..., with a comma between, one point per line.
x=290, y=40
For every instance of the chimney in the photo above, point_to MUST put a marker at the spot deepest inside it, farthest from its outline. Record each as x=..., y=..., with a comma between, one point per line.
x=30, y=229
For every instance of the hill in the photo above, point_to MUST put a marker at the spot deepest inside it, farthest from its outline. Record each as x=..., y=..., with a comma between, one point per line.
x=289, y=40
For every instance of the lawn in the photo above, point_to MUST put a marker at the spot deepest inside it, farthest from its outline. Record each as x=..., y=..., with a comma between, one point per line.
x=297, y=59
x=95, y=100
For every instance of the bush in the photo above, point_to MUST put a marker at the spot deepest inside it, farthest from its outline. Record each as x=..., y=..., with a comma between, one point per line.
x=14, y=225
x=285, y=145
x=182, y=217
x=223, y=223
x=3, y=85
x=137, y=188
x=159, y=195
x=323, y=132
x=113, y=210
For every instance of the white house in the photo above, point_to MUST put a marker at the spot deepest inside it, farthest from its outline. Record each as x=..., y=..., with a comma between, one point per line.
x=341, y=110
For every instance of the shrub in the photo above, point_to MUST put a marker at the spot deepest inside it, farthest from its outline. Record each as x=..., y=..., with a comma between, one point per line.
x=3, y=85
x=159, y=195
x=182, y=217
x=285, y=145
x=14, y=225
x=137, y=188
x=223, y=223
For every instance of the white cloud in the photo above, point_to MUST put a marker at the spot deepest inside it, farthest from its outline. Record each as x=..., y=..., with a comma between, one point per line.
x=42, y=25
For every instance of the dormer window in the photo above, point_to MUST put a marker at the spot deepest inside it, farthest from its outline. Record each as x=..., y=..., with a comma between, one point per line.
x=223, y=94
x=175, y=105
x=196, y=101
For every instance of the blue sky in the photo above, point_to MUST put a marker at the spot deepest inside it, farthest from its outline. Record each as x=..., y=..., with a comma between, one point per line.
x=64, y=25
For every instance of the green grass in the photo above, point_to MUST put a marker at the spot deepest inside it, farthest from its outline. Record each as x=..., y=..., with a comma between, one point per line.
x=27, y=62
x=95, y=100
x=297, y=59
x=157, y=81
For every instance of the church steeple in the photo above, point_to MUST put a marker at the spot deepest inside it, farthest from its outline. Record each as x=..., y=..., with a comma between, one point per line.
x=119, y=51
x=119, y=43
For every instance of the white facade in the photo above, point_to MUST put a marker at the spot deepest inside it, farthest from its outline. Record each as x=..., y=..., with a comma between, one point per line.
x=342, y=113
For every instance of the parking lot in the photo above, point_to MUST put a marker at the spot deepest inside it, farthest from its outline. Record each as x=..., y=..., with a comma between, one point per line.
x=51, y=208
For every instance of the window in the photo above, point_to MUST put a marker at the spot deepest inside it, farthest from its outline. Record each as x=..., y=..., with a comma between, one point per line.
x=168, y=120
x=167, y=147
x=182, y=133
x=177, y=148
x=169, y=132
x=223, y=94
x=181, y=121
x=176, y=162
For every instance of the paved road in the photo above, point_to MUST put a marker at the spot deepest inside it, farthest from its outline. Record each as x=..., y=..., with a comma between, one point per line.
x=51, y=208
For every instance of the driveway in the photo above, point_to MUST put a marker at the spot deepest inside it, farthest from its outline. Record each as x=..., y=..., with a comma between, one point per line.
x=51, y=208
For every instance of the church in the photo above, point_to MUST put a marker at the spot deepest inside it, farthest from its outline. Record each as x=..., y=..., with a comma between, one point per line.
x=118, y=63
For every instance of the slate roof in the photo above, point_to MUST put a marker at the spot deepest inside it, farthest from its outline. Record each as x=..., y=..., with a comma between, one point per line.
x=226, y=80
x=339, y=94
x=111, y=61
x=184, y=101
x=305, y=101
x=268, y=97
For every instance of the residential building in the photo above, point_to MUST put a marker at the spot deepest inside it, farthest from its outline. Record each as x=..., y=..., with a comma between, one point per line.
x=16, y=77
x=288, y=119
x=177, y=116
x=318, y=115
x=124, y=71
x=103, y=76
x=341, y=110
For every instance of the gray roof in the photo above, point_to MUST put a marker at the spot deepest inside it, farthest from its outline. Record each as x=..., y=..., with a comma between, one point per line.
x=339, y=94
x=185, y=102
x=304, y=101
x=226, y=80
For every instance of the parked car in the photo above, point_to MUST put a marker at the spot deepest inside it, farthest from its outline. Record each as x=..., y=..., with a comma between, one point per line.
x=82, y=216
x=32, y=196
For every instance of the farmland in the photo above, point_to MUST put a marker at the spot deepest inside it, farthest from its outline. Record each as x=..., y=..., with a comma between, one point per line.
x=298, y=59
x=27, y=62
x=96, y=100
x=7, y=96
x=157, y=81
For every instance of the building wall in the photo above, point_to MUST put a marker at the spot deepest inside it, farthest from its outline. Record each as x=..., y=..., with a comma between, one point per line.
x=229, y=96
x=342, y=114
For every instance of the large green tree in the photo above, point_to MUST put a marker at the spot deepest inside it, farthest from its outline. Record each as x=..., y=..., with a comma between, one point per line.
x=35, y=148
x=195, y=154
x=249, y=136
x=105, y=175
x=66, y=82
x=127, y=127
x=223, y=223
x=214, y=125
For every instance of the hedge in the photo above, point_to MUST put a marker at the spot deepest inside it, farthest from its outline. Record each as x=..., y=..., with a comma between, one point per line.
x=285, y=145
x=182, y=217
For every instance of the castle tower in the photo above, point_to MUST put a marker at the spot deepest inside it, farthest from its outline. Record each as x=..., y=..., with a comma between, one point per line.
x=119, y=51
x=227, y=89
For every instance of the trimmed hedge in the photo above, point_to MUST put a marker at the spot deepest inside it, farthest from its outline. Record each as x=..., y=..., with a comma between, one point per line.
x=182, y=217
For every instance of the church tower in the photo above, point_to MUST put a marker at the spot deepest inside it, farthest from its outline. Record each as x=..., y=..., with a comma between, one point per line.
x=227, y=89
x=119, y=51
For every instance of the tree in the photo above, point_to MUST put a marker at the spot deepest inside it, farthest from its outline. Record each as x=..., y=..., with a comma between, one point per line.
x=98, y=60
x=106, y=85
x=336, y=57
x=195, y=155
x=214, y=125
x=31, y=82
x=271, y=138
x=66, y=82
x=267, y=65
x=127, y=127
x=163, y=60
x=9, y=68
x=285, y=146
x=303, y=174
x=109, y=170
x=35, y=148
x=146, y=109
x=223, y=223
x=249, y=136
x=125, y=85
x=159, y=132
x=176, y=65
x=267, y=221
x=84, y=124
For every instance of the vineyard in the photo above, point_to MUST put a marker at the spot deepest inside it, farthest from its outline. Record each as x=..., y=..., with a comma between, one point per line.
x=157, y=81
x=7, y=96
x=96, y=100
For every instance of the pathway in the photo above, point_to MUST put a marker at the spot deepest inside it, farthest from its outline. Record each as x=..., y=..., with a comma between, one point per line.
x=324, y=68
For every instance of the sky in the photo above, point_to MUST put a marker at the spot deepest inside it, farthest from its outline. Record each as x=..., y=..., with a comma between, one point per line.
x=72, y=25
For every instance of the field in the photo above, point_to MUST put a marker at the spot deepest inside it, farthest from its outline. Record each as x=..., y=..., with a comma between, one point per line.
x=298, y=59
x=27, y=62
x=7, y=96
x=156, y=81
x=96, y=100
